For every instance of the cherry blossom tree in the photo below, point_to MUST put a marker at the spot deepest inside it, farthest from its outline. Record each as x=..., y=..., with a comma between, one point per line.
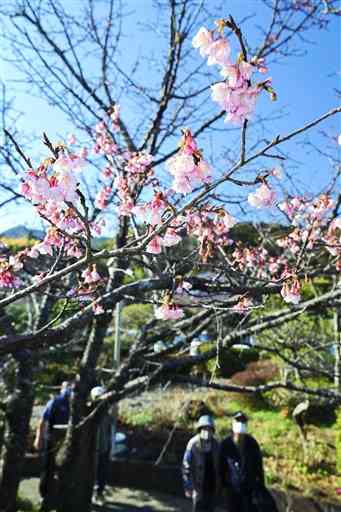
x=168, y=214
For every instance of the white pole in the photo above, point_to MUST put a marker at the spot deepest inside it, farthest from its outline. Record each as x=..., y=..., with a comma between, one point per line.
x=337, y=362
x=117, y=340
x=116, y=363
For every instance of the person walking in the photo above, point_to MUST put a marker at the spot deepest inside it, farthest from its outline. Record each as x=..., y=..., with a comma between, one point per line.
x=200, y=467
x=103, y=447
x=49, y=436
x=241, y=471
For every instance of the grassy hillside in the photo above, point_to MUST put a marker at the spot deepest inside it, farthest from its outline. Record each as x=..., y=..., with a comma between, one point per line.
x=311, y=473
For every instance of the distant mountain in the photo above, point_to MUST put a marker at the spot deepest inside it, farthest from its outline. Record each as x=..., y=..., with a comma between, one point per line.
x=38, y=234
x=23, y=232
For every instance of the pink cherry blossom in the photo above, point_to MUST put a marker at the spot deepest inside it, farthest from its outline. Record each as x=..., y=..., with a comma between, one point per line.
x=203, y=41
x=74, y=250
x=291, y=292
x=7, y=276
x=238, y=75
x=151, y=212
x=107, y=172
x=102, y=198
x=105, y=144
x=219, y=52
x=67, y=163
x=264, y=196
x=115, y=117
x=126, y=206
x=71, y=139
x=157, y=206
x=33, y=252
x=169, y=312
x=236, y=95
x=183, y=286
x=90, y=275
x=170, y=238
x=335, y=224
x=139, y=163
x=291, y=206
x=155, y=245
x=274, y=265
x=243, y=305
x=188, y=167
x=98, y=309
x=228, y=220
x=83, y=153
x=97, y=226
x=188, y=144
x=141, y=212
x=238, y=103
x=219, y=93
x=15, y=262
x=277, y=172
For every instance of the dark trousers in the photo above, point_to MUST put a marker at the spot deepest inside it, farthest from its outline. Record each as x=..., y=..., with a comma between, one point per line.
x=205, y=504
x=258, y=500
x=102, y=465
x=242, y=502
x=47, y=483
x=48, y=479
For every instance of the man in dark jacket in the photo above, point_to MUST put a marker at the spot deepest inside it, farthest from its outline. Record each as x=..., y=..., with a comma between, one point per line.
x=241, y=471
x=103, y=447
x=49, y=436
x=200, y=467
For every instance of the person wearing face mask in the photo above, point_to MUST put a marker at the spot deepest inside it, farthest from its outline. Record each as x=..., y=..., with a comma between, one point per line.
x=241, y=471
x=200, y=467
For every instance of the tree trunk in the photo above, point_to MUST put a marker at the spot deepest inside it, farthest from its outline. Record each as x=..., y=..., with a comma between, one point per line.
x=77, y=470
x=18, y=415
x=76, y=459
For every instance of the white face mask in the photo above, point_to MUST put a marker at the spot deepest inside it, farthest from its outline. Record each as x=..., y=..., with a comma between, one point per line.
x=206, y=435
x=238, y=427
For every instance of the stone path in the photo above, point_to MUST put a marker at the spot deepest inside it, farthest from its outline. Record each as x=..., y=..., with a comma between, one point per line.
x=121, y=499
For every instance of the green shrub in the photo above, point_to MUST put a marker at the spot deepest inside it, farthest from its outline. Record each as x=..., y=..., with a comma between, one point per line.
x=140, y=418
x=230, y=361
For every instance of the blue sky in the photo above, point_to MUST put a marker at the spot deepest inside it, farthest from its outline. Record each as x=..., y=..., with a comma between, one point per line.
x=305, y=87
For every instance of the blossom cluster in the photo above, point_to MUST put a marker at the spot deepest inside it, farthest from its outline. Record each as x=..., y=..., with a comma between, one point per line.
x=211, y=227
x=236, y=95
x=312, y=225
x=188, y=167
x=263, y=197
x=87, y=291
x=169, y=312
x=53, y=188
x=105, y=145
x=261, y=264
x=136, y=171
x=8, y=278
x=151, y=213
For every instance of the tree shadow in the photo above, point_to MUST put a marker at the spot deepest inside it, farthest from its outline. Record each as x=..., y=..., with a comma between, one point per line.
x=142, y=501
x=122, y=507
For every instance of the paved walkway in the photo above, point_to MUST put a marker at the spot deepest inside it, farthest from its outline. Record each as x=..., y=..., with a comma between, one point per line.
x=121, y=499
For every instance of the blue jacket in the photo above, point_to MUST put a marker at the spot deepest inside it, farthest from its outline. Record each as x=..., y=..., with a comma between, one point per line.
x=57, y=410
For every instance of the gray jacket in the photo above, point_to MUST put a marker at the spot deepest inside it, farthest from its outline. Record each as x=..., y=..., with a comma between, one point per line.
x=193, y=465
